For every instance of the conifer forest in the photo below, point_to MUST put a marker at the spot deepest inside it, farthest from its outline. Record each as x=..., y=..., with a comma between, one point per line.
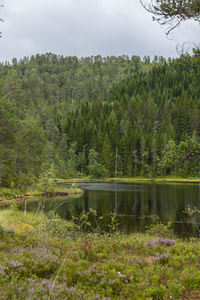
x=99, y=116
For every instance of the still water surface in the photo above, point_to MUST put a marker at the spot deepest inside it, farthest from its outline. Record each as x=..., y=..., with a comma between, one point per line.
x=138, y=205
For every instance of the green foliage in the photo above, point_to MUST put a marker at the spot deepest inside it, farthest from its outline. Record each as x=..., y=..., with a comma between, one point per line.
x=9, y=193
x=85, y=221
x=14, y=207
x=182, y=159
x=74, y=186
x=54, y=226
x=173, y=13
x=54, y=260
x=160, y=230
x=21, y=147
x=96, y=170
x=183, y=9
x=147, y=126
x=91, y=222
x=114, y=222
x=194, y=214
x=46, y=182
x=98, y=116
x=71, y=164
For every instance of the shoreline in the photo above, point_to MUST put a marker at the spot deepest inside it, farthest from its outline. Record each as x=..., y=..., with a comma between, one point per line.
x=13, y=194
x=131, y=180
x=58, y=192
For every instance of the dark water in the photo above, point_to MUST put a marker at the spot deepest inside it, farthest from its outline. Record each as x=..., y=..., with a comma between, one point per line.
x=138, y=205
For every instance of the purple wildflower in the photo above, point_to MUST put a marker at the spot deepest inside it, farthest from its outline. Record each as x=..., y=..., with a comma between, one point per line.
x=162, y=257
x=97, y=296
x=112, y=281
x=43, y=282
x=2, y=270
x=161, y=241
x=15, y=264
x=139, y=261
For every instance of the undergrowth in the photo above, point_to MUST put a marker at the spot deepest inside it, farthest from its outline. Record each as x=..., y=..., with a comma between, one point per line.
x=48, y=258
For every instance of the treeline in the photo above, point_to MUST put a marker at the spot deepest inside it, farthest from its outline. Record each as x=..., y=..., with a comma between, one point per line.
x=36, y=94
x=113, y=116
x=149, y=126
x=22, y=145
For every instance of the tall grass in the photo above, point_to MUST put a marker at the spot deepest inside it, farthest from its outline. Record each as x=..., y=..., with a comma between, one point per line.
x=12, y=220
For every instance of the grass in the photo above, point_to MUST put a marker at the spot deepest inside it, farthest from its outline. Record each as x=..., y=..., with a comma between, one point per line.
x=170, y=179
x=10, y=194
x=6, y=193
x=49, y=258
x=11, y=219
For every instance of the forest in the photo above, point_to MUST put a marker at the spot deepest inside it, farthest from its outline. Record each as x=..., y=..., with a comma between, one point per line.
x=65, y=121
x=99, y=116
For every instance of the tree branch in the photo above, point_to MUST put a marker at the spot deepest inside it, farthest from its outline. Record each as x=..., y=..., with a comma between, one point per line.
x=171, y=12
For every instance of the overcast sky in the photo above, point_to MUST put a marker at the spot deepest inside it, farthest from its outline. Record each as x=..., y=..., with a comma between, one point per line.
x=84, y=28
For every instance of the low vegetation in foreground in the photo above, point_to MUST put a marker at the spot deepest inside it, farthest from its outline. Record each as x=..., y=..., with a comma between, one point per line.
x=44, y=257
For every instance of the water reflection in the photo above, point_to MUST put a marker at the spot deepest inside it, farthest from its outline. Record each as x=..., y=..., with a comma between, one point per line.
x=138, y=205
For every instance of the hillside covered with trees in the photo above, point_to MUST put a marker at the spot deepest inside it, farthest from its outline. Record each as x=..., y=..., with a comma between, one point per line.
x=113, y=116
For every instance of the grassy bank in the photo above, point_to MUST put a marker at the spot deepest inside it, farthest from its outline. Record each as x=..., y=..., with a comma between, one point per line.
x=48, y=258
x=134, y=179
x=158, y=180
x=9, y=194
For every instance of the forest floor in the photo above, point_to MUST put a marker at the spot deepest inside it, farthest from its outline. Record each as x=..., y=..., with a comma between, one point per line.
x=48, y=258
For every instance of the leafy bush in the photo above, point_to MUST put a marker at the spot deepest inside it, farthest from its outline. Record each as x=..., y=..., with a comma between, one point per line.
x=91, y=222
x=160, y=230
x=194, y=214
x=54, y=226
x=74, y=186
x=46, y=181
x=9, y=193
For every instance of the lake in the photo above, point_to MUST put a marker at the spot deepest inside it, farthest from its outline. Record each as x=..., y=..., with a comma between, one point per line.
x=137, y=205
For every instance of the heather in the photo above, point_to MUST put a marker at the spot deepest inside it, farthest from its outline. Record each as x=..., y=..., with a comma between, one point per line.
x=44, y=257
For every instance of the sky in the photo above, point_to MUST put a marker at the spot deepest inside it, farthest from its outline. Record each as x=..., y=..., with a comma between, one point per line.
x=85, y=28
